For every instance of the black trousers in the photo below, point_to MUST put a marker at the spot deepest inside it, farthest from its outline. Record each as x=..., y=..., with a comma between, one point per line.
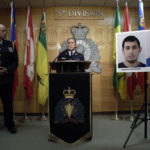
x=6, y=96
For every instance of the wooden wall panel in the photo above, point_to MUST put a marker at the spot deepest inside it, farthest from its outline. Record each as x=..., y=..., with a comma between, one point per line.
x=58, y=30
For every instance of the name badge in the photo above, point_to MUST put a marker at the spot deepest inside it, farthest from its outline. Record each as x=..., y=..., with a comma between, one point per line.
x=63, y=58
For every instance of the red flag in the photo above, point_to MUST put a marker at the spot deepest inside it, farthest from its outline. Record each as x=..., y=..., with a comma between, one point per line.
x=141, y=26
x=127, y=25
x=131, y=84
x=29, y=58
x=131, y=80
x=14, y=39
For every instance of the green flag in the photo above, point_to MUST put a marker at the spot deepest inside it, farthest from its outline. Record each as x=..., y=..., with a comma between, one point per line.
x=116, y=30
x=42, y=63
x=119, y=79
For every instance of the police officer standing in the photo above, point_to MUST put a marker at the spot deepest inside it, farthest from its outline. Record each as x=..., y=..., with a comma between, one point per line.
x=8, y=64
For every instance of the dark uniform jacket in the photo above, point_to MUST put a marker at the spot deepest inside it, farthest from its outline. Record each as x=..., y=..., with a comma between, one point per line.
x=65, y=56
x=8, y=59
x=70, y=67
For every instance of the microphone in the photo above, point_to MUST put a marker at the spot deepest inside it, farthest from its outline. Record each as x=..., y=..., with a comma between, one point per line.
x=55, y=60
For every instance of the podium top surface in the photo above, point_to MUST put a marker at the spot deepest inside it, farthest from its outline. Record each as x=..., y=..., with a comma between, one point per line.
x=86, y=64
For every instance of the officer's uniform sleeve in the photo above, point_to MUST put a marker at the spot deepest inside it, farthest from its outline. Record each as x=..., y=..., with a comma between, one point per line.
x=14, y=61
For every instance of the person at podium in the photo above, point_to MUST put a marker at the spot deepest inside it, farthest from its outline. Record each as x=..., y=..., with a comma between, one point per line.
x=70, y=54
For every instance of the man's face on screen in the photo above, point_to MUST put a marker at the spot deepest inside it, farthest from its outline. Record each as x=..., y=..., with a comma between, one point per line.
x=131, y=51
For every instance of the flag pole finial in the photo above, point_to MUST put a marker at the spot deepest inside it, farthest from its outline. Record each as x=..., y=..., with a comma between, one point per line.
x=117, y=2
x=44, y=5
x=29, y=3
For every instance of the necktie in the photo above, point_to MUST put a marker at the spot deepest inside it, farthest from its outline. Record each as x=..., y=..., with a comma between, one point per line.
x=70, y=53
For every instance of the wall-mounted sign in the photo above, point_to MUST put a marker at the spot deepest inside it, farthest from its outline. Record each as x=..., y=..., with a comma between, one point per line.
x=79, y=13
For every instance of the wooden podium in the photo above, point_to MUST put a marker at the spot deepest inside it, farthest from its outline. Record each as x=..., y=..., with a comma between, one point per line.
x=70, y=119
x=69, y=66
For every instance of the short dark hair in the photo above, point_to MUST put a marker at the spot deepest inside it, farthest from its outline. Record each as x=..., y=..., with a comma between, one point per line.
x=131, y=39
x=72, y=39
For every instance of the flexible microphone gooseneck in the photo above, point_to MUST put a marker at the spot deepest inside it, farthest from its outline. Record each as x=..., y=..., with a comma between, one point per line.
x=55, y=60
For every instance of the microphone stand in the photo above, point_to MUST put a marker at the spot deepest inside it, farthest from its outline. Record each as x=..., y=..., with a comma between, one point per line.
x=51, y=65
x=139, y=120
x=56, y=58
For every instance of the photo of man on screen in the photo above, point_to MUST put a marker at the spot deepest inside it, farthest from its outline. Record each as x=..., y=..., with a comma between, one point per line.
x=131, y=49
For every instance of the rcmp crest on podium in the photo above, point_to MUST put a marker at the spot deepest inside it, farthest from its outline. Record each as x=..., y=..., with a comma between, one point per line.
x=69, y=109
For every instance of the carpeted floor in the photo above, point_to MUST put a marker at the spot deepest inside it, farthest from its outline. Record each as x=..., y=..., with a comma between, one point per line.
x=107, y=135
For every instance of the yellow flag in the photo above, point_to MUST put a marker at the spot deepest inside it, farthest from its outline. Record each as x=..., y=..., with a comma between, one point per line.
x=122, y=85
x=42, y=64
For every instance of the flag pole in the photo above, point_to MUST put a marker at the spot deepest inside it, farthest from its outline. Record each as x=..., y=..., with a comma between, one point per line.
x=148, y=117
x=14, y=40
x=116, y=117
x=29, y=3
x=131, y=117
x=25, y=118
x=25, y=112
x=43, y=116
x=117, y=3
x=43, y=5
x=128, y=29
x=116, y=111
x=16, y=122
x=28, y=63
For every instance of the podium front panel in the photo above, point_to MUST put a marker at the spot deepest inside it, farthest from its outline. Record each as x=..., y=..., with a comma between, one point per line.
x=70, y=107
